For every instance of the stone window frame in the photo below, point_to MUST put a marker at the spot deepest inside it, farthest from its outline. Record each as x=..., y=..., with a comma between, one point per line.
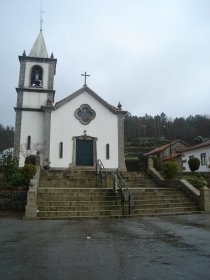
x=107, y=151
x=29, y=142
x=61, y=150
x=80, y=109
x=203, y=159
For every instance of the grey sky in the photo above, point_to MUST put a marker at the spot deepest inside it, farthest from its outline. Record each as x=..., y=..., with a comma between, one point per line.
x=151, y=55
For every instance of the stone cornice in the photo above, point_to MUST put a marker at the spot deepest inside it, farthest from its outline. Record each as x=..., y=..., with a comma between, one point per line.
x=28, y=109
x=35, y=89
x=36, y=59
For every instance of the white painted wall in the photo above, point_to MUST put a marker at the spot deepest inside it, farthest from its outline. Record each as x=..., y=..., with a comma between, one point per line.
x=33, y=125
x=64, y=126
x=34, y=99
x=197, y=153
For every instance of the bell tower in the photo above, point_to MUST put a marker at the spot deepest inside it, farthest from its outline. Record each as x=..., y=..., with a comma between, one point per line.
x=35, y=97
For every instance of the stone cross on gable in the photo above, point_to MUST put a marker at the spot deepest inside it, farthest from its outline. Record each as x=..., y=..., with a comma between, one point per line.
x=85, y=75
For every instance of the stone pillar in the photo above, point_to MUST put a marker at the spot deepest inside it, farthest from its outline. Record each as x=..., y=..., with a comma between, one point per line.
x=47, y=128
x=149, y=163
x=19, y=106
x=17, y=133
x=18, y=122
x=121, y=155
x=31, y=207
x=205, y=199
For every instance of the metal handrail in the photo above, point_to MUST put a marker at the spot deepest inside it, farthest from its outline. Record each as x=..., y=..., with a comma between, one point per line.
x=125, y=194
x=101, y=171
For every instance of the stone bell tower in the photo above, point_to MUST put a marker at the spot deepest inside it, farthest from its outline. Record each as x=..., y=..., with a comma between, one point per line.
x=35, y=97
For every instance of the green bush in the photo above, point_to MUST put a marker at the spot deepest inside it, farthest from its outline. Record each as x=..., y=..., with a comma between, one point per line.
x=14, y=176
x=28, y=171
x=8, y=165
x=194, y=163
x=197, y=180
x=31, y=160
x=17, y=179
x=169, y=170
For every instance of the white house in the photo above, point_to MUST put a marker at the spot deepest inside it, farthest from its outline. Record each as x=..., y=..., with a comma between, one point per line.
x=201, y=151
x=73, y=133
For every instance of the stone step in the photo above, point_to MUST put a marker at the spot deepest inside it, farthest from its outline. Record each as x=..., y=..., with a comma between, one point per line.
x=159, y=194
x=165, y=210
x=78, y=195
x=79, y=203
x=73, y=194
x=74, y=198
x=163, y=200
x=80, y=208
x=73, y=190
x=111, y=202
x=72, y=175
x=164, y=205
x=108, y=213
x=99, y=190
x=98, y=207
x=117, y=213
x=73, y=186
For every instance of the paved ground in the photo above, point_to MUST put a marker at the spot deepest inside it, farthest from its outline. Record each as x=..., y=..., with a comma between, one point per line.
x=146, y=248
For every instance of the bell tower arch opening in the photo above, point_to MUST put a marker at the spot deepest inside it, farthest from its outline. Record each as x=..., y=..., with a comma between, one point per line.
x=36, y=76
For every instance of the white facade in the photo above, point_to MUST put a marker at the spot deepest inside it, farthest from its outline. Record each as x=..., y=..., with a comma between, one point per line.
x=65, y=126
x=73, y=133
x=33, y=126
x=202, y=152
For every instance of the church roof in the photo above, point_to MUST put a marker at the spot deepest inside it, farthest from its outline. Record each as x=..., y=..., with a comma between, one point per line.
x=39, y=47
x=94, y=95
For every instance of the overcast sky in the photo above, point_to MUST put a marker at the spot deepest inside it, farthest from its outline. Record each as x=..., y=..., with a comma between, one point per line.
x=151, y=55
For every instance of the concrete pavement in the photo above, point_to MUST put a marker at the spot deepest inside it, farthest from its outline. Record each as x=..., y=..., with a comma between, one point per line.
x=169, y=247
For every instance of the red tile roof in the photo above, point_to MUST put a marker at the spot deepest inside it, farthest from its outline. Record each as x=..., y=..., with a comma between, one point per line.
x=163, y=147
x=200, y=145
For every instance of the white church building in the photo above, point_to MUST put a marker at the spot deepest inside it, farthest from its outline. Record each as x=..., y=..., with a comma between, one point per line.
x=72, y=133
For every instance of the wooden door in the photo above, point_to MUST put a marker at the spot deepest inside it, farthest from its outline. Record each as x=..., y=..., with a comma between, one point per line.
x=84, y=152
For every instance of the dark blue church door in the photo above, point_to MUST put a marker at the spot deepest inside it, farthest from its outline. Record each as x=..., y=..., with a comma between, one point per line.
x=84, y=152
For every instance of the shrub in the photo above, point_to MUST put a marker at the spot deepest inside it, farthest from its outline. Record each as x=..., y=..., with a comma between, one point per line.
x=31, y=160
x=8, y=165
x=14, y=176
x=17, y=179
x=194, y=163
x=169, y=169
x=28, y=171
x=197, y=181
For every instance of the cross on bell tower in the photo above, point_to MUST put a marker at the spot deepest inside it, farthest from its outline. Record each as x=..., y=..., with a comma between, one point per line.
x=85, y=75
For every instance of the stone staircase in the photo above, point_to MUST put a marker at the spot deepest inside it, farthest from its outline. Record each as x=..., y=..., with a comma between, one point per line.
x=74, y=194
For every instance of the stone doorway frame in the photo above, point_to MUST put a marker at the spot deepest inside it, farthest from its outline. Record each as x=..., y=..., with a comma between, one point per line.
x=84, y=137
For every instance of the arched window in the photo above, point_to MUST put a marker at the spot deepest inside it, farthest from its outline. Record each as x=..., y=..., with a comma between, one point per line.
x=36, y=76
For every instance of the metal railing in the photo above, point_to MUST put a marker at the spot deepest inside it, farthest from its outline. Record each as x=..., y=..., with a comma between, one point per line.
x=101, y=172
x=125, y=194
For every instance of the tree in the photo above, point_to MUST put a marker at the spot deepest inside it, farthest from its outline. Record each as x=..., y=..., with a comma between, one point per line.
x=6, y=137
